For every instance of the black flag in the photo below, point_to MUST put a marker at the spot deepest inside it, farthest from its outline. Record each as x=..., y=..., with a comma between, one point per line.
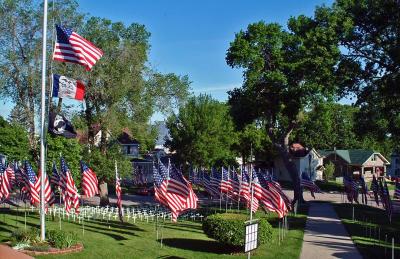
x=60, y=126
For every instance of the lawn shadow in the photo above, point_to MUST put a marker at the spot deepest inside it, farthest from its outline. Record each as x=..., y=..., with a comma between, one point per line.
x=209, y=246
x=115, y=236
x=115, y=224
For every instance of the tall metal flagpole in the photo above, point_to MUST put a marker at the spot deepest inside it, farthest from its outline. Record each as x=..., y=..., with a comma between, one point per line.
x=251, y=189
x=43, y=109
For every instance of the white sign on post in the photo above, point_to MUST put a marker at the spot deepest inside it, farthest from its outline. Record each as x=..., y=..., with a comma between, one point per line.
x=251, y=237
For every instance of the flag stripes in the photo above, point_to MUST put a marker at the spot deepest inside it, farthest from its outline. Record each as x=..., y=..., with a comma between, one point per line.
x=71, y=47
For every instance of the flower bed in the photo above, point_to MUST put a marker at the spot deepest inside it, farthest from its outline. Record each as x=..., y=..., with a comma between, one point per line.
x=55, y=251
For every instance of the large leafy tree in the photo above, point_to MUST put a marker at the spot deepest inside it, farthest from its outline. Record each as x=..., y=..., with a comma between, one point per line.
x=14, y=141
x=202, y=133
x=284, y=72
x=328, y=125
x=368, y=31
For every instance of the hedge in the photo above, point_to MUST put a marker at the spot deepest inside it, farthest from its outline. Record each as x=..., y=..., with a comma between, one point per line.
x=229, y=228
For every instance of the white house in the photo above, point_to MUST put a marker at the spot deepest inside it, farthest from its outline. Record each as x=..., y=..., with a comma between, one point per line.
x=309, y=161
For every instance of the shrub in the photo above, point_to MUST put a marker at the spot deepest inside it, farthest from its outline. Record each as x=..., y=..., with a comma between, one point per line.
x=29, y=236
x=61, y=239
x=229, y=229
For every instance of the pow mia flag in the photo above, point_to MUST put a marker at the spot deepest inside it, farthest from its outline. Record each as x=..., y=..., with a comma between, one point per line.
x=60, y=126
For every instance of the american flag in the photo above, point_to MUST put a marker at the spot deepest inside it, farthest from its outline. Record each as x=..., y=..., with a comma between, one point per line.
x=177, y=203
x=70, y=193
x=271, y=200
x=351, y=189
x=31, y=184
x=71, y=47
x=274, y=185
x=5, y=186
x=11, y=175
x=176, y=182
x=174, y=202
x=225, y=184
x=364, y=190
x=211, y=189
x=118, y=192
x=234, y=183
x=375, y=189
x=386, y=199
x=306, y=182
x=19, y=179
x=244, y=191
x=48, y=193
x=55, y=178
x=397, y=190
x=89, y=181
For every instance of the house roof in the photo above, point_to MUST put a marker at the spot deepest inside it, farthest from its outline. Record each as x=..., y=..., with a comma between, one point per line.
x=126, y=139
x=353, y=156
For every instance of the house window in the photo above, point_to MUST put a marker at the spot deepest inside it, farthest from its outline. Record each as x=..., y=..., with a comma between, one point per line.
x=128, y=150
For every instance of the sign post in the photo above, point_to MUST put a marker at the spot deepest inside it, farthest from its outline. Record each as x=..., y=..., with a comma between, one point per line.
x=251, y=236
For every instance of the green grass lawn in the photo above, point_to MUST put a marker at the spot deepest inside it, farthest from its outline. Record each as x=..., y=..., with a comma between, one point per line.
x=370, y=229
x=185, y=239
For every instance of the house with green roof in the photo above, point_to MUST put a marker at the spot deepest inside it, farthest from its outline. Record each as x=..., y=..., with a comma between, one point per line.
x=356, y=161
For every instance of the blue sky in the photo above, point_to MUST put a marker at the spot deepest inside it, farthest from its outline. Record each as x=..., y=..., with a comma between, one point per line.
x=191, y=37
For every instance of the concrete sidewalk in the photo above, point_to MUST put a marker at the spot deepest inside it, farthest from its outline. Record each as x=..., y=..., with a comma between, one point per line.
x=325, y=235
x=9, y=253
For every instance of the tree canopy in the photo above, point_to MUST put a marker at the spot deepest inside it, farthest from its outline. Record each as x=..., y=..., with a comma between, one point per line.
x=368, y=32
x=202, y=133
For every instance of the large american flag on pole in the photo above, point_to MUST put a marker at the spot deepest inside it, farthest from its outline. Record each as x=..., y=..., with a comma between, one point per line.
x=73, y=48
x=89, y=181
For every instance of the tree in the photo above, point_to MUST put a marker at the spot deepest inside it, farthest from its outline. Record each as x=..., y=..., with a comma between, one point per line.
x=14, y=141
x=329, y=171
x=368, y=32
x=284, y=72
x=202, y=133
x=254, y=137
x=70, y=150
x=329, y=125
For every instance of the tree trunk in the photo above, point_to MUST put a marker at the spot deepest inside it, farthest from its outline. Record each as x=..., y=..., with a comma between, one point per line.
x=104, y=200
x=283, y=148
x=294, y=175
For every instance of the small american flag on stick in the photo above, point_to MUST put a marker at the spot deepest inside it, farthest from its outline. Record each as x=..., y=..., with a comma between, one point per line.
x=73, y=48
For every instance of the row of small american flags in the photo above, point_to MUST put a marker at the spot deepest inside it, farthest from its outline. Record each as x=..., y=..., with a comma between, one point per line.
x=379, y=192
x=238, y=187
x=172, y=190
x=23, y=178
